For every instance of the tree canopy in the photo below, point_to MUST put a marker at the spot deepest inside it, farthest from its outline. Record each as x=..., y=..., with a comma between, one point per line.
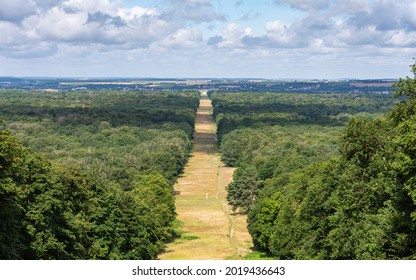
x=354, y=200
x=89, y=175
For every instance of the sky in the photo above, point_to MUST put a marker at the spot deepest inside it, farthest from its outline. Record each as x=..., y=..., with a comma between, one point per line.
x=273, y=39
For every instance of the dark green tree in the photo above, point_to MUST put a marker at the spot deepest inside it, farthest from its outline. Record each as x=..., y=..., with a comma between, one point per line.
x=12, y=243
x=243, y=190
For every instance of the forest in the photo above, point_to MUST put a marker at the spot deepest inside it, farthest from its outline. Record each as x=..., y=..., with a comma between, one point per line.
x=328, y=176
x=89, y=175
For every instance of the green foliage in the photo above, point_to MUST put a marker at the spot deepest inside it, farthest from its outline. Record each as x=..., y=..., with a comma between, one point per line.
x=407, y=86
x=249, y=109
x=11, y=212
x=358, y=204
x=61, y=213
x=262, y=216
x=103, y=187
x=362, y=139
x=243, y=190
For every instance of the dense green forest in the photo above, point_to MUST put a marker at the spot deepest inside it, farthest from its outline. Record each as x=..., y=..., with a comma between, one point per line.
x=89, y=175
x=259, y=109
x=324, y=176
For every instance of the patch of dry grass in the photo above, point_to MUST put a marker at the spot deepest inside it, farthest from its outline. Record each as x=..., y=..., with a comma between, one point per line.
x=201, y=214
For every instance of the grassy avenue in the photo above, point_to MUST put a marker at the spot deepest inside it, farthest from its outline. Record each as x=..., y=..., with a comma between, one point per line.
x=208, y=231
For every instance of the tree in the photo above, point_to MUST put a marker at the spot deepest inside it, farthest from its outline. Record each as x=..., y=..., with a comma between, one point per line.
x=361, y=205
x=243, y=190
x=11, y=212
x=407, y=86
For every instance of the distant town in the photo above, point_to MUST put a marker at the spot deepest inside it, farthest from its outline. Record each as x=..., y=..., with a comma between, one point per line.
x=381, y=86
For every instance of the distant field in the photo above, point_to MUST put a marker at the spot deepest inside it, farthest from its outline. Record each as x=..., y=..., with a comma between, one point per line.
x=389, y=84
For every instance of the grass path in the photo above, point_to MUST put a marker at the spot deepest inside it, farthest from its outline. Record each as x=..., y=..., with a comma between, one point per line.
x=209, y=232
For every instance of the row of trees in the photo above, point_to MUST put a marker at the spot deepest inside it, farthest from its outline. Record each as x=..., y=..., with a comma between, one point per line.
x=100, y=188
x=256, y=109
x=354, y=200
x=359, y=205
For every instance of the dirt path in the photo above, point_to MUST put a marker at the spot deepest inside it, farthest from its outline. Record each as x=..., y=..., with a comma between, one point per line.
x=208, y=231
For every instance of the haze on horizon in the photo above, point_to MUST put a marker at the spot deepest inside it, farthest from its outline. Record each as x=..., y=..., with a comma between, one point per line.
x=271, y=39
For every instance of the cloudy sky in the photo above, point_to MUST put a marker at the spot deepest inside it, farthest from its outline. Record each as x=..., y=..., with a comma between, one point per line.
x=208, y=38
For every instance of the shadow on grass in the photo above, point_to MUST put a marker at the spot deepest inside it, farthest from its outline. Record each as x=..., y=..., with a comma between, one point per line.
x=257, y=255
x=178, y=235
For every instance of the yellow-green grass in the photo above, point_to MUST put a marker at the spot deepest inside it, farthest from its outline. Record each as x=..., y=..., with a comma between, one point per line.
x=205, y=226
x=256, y=255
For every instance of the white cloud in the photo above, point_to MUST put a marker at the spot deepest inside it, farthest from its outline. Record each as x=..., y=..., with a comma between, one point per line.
x=11, y=34
x=305, y=5
x=194, y=11
x=56, y=24
x=280, y=34
x=341, y=23
x=19, y=43
x=136, y=12
x=190, y=29
x=363, y=36
x=16, y=10
x=183, y=39
x=105, y=22
x=350, y=7
x=90, y=22
x=104, y=6
x=330, y=22
x=402, y=39
x=232, y=35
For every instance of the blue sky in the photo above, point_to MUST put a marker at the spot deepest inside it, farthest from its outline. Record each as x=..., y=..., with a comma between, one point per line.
x=208, y=38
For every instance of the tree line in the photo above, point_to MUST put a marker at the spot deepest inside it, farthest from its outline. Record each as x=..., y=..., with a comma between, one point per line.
x=347, y=195
x=256, y=109
x=89, y=175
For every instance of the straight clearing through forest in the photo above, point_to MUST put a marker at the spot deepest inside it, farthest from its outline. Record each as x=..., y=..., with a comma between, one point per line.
x=208, y=231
